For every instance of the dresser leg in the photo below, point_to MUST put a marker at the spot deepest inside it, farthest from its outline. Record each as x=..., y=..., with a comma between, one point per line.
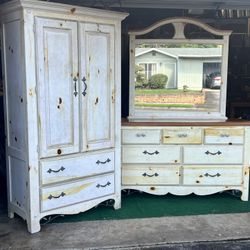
x=34, y=226
x=11, y=214
x=245, y=190
x=117, y=204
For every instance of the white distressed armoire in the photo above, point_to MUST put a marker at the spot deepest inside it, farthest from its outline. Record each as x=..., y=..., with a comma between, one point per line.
x=61, y=67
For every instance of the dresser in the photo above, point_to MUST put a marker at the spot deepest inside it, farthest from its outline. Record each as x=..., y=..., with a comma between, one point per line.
x=61, y=67
x=178, y=158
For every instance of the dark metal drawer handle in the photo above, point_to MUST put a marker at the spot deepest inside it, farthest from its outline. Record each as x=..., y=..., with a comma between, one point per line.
x=224, y=135
x=211, y=175
x=55, y=171
x=75, y=91
x=56, y=197
x=103, y=162
x=154, y=153
x=84, y=85
x=148, y=175
x=182, y=135
x=99, y=185
x=209, y=153
x=140, y=135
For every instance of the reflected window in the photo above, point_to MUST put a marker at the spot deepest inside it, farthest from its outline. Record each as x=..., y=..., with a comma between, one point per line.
x=148, y=69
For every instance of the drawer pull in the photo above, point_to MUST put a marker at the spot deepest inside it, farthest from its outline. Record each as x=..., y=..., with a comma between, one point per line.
x=211, y=175
x=216, y=153
x=56, y=197
x=224, y=135
x=148, y=175
x=140, y=135
x=99, y=185
x=55, y=171
x=182, y=135
x=103, y=162
x=154, y=153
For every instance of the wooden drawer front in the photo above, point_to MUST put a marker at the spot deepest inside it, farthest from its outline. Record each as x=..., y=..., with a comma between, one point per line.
x=77, y=167
x=141, y=136
x=213, y=154
x=182, y=136
x=207, y=175
x=75, y=192
x=150, y=154
x=224, y=136
x=150, y=175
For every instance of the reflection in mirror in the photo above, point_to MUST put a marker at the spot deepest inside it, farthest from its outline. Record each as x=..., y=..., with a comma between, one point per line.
x=178, y=77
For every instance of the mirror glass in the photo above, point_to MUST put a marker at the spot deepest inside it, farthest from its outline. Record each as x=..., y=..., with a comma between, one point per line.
x=178, y=77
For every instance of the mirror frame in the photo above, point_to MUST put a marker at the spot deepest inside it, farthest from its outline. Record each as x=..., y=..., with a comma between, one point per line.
x=179, y=37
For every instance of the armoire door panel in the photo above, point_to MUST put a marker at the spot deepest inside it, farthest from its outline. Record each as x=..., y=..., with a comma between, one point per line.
x=97, y=74
x=58, y=86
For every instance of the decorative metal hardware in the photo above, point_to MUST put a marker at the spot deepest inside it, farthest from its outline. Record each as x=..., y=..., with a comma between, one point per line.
x=182, y=135
x=103, y=162
x=224, y=135
x=56, y=171
x=211, y=175
x=85, y=86
x=216, y=153
x=75, y=91
x=140, y=135
x=102, y=186
x=56, y=197
x=154, y=153
x=148, y=175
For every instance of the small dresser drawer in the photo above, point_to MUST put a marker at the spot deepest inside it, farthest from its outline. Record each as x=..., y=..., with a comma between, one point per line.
x=141, y=136
x=212, y=175
x=76, y=167
x=75, y=192
x=182, y=136
x=224, y=136
x=150, y=175
x=151, y=154
x=213, y=154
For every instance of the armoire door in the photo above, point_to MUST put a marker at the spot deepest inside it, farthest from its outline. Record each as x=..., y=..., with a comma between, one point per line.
x=97, y=86
x=58, y=97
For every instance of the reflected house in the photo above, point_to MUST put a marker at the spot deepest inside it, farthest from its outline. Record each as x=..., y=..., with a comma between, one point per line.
x=183, y=66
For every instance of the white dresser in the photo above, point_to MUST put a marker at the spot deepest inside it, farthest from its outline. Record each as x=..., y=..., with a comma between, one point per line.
x=205, y=158
x=61, y=68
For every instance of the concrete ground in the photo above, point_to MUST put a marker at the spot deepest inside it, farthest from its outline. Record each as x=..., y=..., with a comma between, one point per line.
x=231, y=231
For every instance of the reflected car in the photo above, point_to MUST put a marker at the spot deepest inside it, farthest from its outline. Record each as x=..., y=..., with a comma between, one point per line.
x=213, y=80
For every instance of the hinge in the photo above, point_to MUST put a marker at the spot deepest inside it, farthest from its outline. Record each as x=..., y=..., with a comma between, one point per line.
x=113, y=96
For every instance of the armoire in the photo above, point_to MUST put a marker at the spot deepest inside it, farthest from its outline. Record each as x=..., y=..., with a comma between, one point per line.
x=61, y=68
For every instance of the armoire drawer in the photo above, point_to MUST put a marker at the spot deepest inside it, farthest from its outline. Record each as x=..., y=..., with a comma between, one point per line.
x=75, y=192
x=141, y=136
x=213, y=154
x=224, y=136
x=182, y=135
x=76, y=167
x=212, y=175
x=151, y=154
x=150, y=175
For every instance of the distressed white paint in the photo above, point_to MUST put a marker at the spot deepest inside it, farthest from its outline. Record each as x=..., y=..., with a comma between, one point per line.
x=151, y=154
x=46, y=52
x=168, y=115
x=199, y=172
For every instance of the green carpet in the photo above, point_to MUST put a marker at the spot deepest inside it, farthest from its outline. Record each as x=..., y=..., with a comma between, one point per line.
x=142, y=205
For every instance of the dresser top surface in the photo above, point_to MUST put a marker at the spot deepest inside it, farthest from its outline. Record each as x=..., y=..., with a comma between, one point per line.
x=233, y=122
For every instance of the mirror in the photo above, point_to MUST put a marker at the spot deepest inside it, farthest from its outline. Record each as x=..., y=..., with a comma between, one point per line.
x=178, y=79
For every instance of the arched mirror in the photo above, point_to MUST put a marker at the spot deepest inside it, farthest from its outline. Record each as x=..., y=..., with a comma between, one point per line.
x=178, y=72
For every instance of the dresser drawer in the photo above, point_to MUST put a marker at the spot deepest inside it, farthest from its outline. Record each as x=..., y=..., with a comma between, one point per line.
x=213, y=154
x=141, y=136
x=150, y=175
x=182, y=136
x=75, y=192
x=212, y=175
x=150, y=154
x=224, y=136
x=76, y=167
